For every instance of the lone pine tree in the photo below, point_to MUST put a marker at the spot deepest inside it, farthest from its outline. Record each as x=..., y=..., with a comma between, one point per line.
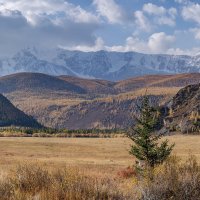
x=147, y=147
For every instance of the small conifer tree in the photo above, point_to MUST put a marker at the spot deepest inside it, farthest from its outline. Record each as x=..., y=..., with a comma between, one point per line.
x=144, y=134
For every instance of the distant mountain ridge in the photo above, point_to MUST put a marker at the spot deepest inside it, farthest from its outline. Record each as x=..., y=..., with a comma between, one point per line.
x=100, y=65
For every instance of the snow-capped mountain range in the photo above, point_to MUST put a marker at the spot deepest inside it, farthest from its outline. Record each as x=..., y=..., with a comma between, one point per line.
x=103, y=65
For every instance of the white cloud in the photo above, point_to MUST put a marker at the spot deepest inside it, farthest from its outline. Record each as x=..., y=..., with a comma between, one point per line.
x=54, y=10
x=52, y=23
x=177, y=51
x=165, y=21
x=110, y=10
x=99, y=45
x=192, y=12
x=154, y=9
x=172, y=12
x=132, y=44
x=196, y=32
x=44, y=24
x=160, y=42
x=160, y=15
x=156, y=43
x=142, y=21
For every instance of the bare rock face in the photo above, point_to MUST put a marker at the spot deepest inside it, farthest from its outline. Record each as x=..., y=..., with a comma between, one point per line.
x=185, y=110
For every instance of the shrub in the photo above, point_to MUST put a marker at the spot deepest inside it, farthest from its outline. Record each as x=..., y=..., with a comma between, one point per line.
x=173, y=180
x=32, y=181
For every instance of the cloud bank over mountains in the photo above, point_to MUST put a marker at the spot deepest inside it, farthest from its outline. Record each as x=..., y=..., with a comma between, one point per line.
x=148, y=27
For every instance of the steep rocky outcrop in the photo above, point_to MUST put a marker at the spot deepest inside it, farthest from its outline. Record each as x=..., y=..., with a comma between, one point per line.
x=185, y=110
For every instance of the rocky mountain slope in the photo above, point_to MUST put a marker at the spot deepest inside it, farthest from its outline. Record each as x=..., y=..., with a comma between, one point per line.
x=185, y=110
x=72, y=102
x=102, y=65
x=10, y=115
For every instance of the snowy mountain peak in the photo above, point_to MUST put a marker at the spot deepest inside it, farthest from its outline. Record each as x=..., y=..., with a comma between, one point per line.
x=101, y=64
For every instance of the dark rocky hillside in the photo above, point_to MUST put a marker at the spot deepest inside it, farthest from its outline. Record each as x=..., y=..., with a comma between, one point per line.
x=185, y=110
x=9, y=115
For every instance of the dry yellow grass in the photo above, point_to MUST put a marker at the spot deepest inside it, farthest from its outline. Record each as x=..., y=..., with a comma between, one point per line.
x=73, y=168
x=101, y=152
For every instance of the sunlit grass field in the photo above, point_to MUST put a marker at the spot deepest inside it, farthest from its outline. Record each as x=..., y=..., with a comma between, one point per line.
x=106, y=152
x=85, y=168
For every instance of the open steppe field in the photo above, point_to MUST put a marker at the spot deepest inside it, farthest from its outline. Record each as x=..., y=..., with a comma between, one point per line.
x=97, y=153
x=90, y=168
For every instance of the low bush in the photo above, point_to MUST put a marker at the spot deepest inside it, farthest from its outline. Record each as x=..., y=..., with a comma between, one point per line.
x=174, y=180
x=35, y=182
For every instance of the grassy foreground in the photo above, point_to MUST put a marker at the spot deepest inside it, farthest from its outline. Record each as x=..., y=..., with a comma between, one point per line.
x=84, y=168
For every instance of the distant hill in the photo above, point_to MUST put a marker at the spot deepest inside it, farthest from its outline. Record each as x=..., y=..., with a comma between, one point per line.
x=10, y=115
x=92, y=85
x=36, y=82
x=185, y=110
x=72, y=102
x=178, y=80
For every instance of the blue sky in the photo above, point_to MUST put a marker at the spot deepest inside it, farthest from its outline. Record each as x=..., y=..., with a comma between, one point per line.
x=156, y=26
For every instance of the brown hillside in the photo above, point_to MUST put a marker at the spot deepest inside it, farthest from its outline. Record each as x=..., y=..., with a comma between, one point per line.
x=91, y=85
x=36, y=82
x=68, y=102
x=179, y=80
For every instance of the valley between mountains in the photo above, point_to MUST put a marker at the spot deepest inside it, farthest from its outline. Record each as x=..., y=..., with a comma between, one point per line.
x=77, y=103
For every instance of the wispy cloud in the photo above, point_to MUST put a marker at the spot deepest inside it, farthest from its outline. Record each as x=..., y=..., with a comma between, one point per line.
x=110, y=10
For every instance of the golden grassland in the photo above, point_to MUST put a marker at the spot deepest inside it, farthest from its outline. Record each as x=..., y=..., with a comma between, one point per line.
x=92, y=168
x=101, y=152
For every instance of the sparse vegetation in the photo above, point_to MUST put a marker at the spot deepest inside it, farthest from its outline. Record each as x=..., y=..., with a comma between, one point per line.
x=173, y=180
x=37, y=182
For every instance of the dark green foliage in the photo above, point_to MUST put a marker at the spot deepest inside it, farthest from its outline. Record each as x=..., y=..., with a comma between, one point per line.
x=50, y=132
x=196, y=125
x=145, y=137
